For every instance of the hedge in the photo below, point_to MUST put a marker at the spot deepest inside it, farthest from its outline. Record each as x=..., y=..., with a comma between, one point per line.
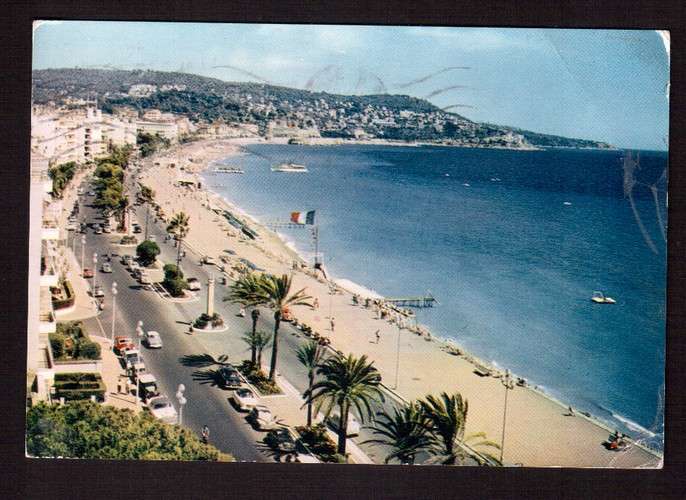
x=66, y=302
x=69, y=387
x=71, y=342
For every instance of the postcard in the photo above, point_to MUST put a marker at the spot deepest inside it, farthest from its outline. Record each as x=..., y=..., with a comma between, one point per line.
x=348, y=244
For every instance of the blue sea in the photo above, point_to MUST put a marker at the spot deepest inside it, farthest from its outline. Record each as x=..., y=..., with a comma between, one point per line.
x=511, y=243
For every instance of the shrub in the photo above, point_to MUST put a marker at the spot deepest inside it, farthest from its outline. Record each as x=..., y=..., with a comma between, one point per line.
x=173, y=280
x=77, y=386
x=147, y=252
x=258, y=379
x=128, y=240
x=68, y=300
x=57, y=341
x=172, y=271
x=89, y=350
x=318, y=441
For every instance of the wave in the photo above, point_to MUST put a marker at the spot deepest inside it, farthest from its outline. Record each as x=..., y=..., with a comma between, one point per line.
x=630, y=424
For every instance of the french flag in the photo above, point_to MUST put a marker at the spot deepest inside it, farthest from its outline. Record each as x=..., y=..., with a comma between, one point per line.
x=303, y=217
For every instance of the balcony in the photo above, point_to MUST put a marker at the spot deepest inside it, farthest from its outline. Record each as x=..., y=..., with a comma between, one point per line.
x=48, y=323
x=50, y=230
x=48, y=269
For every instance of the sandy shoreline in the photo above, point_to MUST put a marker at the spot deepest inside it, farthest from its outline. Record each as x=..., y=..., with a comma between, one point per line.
x=537, y=433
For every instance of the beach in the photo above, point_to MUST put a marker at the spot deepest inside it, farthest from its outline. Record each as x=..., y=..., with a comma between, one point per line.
x=539, y=431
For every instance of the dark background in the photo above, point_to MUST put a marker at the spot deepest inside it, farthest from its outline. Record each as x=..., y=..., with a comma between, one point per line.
x=25, y=478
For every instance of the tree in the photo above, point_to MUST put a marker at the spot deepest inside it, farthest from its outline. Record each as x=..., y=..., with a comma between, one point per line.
x=179, y=227
x=447, y=416
x=348, y=381
x=173, y=280
x=257, y=340
x=147, y=252
x=272, y=292
x=83, y=429
x=406, y=431
x=311, y=356
x=120, y=210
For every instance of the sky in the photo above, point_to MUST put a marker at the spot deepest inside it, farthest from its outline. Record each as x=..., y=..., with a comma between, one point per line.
x=607, y=85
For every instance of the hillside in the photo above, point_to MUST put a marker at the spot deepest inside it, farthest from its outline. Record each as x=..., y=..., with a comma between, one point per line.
x=399, y=117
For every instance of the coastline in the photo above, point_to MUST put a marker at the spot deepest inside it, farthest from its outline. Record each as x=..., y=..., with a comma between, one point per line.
x=273, y=253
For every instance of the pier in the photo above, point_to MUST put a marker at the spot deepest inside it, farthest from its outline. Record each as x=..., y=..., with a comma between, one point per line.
x=427, y=300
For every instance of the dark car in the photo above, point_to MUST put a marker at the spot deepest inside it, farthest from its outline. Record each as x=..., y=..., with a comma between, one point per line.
x=229, y=377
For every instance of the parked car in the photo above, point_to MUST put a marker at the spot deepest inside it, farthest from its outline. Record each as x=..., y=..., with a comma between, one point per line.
x=263, y=420
x=98, y=291
x=106, y=267
x=136, y=370
x=244, y=399
x=333, y=420
x=148, y=386
x=122, y=343
x=82, y=227
x=87, y=273
x=193, y=284
x=152, y=339
x=230, y=378
x=137, y=229
x=91, y=193
x=131, y=357
x=208, y=260
x=136, y=272
x=126, y=259
x=162, y=409
x=144, y=278
x=106, y=229
x=98, y=229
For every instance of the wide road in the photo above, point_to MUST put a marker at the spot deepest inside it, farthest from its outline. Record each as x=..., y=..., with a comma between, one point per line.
x=207, y=404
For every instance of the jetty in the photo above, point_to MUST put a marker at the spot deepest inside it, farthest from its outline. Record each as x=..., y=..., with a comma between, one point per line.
x=427, y=300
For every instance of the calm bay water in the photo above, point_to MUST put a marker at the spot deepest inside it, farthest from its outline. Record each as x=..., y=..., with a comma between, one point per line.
x=512, y=244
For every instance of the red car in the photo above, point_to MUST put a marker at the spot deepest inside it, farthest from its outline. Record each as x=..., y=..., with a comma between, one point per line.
x=87, y=273
x=122, y=343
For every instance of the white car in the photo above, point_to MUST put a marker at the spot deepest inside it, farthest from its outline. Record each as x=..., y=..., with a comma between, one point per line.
x=162, y=409
x=209, y=260
x=353, y=425
x=106, y=267
x=244, y=398
x=144, y=278
x=153, y=340
x=131, y=357
x=193, y=284
x=262, y=417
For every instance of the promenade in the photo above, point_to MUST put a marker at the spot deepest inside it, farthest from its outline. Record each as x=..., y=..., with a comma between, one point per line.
x=538, y=431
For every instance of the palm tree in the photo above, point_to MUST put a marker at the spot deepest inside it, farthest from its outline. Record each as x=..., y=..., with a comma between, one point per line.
x=257, y=340
x=407, y=432
x=180, y=228
x=348, y=381
x=270, y=291
x=255, y=315
x=311, y=356
x=119, y=211
x=447, y=416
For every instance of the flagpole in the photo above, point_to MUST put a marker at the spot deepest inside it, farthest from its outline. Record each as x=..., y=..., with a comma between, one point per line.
x=316, y=245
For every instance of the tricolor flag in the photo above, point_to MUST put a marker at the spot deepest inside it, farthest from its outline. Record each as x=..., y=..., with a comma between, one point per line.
x=303, y=217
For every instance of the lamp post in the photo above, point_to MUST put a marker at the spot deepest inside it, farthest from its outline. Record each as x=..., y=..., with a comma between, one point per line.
x=139, y=334
x=95, y=271
x=114, y=309
x=83, y=246
x=182, y=401
x=509, y=385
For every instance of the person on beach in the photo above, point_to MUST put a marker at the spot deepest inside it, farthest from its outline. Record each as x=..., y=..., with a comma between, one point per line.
x=241, y=312
x=378, y=336
x=333, y=323
x=315, y=304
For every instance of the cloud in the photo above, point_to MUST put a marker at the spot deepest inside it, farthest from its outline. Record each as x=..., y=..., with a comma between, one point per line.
x=473, y=39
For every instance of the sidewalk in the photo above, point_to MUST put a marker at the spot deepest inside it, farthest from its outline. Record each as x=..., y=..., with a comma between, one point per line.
x=84, y=306
x=112, y=373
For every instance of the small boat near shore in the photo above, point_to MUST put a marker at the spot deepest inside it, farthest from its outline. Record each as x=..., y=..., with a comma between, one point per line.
x=600, y=298
x=290, y=167
x=228, y=170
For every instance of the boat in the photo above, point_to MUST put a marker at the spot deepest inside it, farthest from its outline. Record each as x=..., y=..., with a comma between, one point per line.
x=228, y=170
x=289, y=167
x=599, y=298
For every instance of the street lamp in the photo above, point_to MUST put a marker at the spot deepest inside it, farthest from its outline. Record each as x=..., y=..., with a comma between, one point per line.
x=182, y=401
x=509, y=385
x=114, y=308
x=139, y=334
x=95, y=271
x=83, y=246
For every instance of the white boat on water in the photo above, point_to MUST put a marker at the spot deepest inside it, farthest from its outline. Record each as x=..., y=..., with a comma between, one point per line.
x=228, y=170
x=289, y=167
x=599, y=298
